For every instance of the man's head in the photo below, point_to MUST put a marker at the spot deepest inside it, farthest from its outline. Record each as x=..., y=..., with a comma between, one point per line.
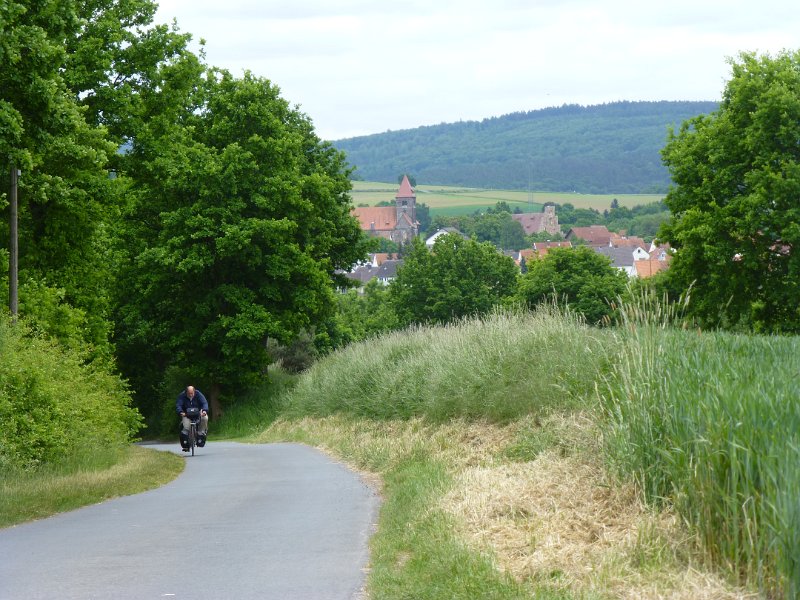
x=190, y=391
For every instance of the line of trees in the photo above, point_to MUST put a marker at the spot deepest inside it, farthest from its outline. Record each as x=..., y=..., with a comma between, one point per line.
x=174, y=219
x=461, y=277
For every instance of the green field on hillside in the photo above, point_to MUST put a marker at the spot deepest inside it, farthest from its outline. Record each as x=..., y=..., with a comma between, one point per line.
x=459, y=200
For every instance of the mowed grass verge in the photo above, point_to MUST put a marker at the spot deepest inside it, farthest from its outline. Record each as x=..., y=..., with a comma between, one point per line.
x=25, y=496
x=455, y=200
x=486, y=440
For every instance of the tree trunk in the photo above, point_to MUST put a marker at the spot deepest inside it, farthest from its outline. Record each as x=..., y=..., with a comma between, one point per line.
x=214, y=403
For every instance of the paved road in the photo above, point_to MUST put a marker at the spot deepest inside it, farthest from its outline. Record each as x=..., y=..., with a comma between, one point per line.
x=276, y=521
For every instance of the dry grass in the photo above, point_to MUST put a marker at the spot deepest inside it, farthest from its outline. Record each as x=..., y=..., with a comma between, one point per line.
x=557, y=520
x=554, y=521
x=377, y=446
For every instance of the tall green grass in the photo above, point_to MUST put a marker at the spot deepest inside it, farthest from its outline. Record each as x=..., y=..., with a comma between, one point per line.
x=497, y=367
x=710, y=422
x=255, y=410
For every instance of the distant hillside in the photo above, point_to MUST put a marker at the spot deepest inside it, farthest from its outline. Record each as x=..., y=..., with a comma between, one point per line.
x=609, y=148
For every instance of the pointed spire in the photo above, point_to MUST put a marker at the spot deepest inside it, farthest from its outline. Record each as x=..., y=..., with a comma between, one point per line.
x=405, y=191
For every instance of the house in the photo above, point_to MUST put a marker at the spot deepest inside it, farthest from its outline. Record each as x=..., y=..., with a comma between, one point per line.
x=539, y=222
x=541, y=249
x=388, y=270
x=397, y=223
x=432, y=239
x=362, y=274
x=624, y=258
x=621, y=240
x=594, y=235
x=378, y=258
x=649, y=267
x=380, y=266
x=660, y=251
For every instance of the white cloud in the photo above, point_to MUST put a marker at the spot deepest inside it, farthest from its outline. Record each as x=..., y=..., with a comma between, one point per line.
x=359, y=67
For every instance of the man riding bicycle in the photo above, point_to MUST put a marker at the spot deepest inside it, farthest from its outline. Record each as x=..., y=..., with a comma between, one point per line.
x=191, y=398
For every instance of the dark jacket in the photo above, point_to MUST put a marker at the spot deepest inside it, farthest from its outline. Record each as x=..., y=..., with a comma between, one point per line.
x=184, y=402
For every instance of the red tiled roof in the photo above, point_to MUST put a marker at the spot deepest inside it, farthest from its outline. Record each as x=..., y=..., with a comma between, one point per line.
x=405, y=191
x=648, y=268
x=556, y=244
x=531, y=222
x=595, y=235
x=629, y=241
x=376, y=218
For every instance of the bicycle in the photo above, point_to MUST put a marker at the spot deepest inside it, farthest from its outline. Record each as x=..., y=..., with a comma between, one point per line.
x=193, y=414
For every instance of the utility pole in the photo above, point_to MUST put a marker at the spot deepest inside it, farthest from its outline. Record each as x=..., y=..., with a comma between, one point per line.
x=13, y=259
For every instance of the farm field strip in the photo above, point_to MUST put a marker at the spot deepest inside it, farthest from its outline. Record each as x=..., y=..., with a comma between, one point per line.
x=443, y=197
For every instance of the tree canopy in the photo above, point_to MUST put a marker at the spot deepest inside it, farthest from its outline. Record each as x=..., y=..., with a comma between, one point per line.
x=192, y=214
x=66, y=198
x=581, y=278
x=244, y=220
x=736, y=226
x=457, y=278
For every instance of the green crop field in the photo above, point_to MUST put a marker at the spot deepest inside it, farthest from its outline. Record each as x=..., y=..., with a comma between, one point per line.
x=458, y=200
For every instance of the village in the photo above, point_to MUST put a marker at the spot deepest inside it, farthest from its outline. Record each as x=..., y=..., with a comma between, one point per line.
x=630, y=254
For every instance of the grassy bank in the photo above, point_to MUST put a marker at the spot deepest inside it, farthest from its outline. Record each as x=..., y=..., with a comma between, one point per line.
x=25, y=496
x=499, y=368
x=488, y=440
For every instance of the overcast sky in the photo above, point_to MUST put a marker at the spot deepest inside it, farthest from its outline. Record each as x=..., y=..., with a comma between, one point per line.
x=358, y=67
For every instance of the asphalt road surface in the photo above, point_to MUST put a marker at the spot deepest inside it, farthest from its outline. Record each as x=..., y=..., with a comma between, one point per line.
x=273, y=521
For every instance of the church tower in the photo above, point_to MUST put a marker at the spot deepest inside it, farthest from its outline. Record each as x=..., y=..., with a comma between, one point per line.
x=406, y=208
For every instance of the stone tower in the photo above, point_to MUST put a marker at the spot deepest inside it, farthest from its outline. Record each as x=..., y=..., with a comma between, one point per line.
x=406, y=209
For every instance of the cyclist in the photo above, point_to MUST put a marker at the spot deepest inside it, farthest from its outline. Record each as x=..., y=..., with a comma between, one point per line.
x=192, y=398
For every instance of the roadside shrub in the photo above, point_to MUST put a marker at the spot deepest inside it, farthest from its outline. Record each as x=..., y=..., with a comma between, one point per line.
x=53, y=406
x=296, y=356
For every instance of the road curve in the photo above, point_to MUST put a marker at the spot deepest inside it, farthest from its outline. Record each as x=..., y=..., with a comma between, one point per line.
x=272, y=521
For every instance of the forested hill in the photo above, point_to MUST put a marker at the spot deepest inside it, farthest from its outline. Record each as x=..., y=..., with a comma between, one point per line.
x=608, y=148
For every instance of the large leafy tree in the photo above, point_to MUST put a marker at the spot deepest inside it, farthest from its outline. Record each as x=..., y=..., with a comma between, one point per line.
x=243, y=219
x=72, y=80
x=736, y=200
x=456, y=278
x=579, y=277
x=65, y=192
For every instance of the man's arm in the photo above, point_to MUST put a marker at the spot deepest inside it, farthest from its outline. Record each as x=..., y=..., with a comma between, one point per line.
x=203, y=401
x=179, y=404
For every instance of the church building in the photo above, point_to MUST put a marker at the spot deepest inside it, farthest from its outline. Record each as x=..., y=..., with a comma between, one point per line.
x=547, y=220
x=397, y=223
